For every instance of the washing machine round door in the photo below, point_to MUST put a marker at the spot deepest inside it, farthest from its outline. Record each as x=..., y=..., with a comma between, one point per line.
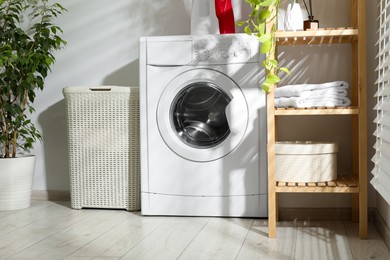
x=202, y=115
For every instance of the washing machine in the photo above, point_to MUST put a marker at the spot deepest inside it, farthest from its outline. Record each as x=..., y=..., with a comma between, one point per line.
x=203, y=126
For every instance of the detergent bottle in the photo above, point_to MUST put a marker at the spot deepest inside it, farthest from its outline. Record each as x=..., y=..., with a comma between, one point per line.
x=203, y=17
x=225, y=15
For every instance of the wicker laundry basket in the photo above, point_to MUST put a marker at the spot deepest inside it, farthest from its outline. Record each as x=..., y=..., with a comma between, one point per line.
x=103, y=139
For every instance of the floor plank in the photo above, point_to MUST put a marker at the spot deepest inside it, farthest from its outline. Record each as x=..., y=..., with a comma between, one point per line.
x=319, y=240
x=28, y=235
x=257, y=245
x=169, y=240
x=13, y=219
x=122, y=238
x=371, y=248
x=91, y=258
x=67, y=241
x=49, y=230
x=221, y=238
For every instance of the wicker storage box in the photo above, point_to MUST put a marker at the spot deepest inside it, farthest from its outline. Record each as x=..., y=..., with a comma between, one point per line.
x=306, y=161
x=103, y=139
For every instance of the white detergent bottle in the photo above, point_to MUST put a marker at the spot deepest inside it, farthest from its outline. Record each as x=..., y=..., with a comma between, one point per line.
x=203, y=17
x=293, y=20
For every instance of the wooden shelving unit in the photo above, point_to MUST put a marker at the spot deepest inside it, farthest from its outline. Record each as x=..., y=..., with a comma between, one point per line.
x=320, y=36
x=317, y=111
x=342, y=185
x=356, y=182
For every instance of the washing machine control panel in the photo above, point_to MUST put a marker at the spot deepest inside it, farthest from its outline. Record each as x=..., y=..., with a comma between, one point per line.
x=224, y=49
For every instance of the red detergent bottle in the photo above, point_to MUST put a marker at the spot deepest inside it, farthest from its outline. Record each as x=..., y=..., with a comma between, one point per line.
x=225, y=15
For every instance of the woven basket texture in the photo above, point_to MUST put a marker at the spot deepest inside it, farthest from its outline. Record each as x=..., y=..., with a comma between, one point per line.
x=103, y=140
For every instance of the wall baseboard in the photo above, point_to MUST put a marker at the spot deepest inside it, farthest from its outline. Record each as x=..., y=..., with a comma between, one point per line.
x=52, y=195
x=319, y=214
x=284, y=213
x=382, y=227
x=315, y=214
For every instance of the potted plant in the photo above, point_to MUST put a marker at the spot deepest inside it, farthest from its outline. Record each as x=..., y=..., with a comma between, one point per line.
x=28, y=39
x=262, y=23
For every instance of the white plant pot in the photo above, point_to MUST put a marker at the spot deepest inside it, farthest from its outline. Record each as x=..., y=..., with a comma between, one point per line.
x=16, y=178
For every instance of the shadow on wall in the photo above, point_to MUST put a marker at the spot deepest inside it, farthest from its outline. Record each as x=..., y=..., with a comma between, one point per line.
x=103, y=38
x=128, y=75
x=102, y=49
x=159, y=18
x=55, y=146
x=163, y=17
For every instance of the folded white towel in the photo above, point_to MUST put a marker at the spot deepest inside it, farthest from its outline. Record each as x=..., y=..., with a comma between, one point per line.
x=305, y=89
x=327, y=92
x=301, y=102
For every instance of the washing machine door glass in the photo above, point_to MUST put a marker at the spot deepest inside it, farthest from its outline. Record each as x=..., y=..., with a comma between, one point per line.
x=199, y=116
x=202, y=115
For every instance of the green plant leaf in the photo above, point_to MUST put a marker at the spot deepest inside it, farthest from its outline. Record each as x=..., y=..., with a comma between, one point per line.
x=48, y=61
x=267, y=2
x=265, y=86
x=270, y=64
x=264, y=14
x=272, y=79
x=285, y=70
x=261, y=28
x=248, y=30
x=266, y=47
x=264, y=38
x=253, y=2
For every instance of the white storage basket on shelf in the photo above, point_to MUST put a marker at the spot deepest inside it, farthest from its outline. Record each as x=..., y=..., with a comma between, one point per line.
x=103, y=140
x=306, y=161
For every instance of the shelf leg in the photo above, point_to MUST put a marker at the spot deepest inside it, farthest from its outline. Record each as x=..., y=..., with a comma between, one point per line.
x=355, y=207
x=363, y=219
x=272, y=214
x=277, y=206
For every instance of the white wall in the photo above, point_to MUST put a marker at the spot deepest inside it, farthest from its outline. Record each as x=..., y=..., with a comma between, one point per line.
x=383, y=209
x=102, y=49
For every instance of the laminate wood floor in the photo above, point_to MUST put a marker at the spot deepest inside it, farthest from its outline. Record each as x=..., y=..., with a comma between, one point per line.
x=51, y=230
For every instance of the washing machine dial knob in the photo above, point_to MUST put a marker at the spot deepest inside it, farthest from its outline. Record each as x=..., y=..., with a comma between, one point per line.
x=224, y=54
x=202, y=55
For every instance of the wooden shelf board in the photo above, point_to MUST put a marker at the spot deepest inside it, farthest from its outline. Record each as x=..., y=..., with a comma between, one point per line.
x=344, y=184
x=320, y=36
x=317, y=111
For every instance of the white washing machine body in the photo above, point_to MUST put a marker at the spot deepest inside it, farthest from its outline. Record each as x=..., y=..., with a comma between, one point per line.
x=203, y=126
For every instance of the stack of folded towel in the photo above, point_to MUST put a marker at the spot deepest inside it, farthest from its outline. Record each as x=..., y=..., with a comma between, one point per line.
x=330, y=94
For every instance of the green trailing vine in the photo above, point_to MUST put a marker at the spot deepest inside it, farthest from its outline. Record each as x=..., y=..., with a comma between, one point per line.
x=262, y=23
